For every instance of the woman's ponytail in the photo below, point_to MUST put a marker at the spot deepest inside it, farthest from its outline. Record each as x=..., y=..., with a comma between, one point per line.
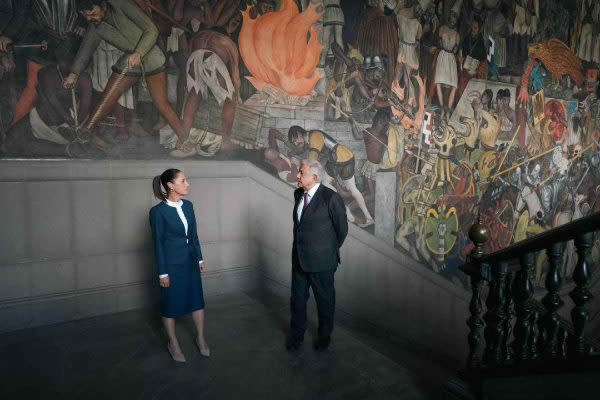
x=159, y=183
x=156, y=188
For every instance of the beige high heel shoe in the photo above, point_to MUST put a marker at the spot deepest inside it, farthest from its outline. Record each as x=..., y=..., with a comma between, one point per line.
x=204, y=352
x=177, y=356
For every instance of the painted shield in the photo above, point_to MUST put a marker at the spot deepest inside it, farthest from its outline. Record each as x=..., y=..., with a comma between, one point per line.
x=441, y=230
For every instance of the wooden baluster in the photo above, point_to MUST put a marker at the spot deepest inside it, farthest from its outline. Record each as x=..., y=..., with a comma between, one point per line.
x=523, y=291
x=580, y=296
x=509, y=310
x=479, y=235
x=534, y=335
x=552, y=302
x=496, y=315
x=564, y=336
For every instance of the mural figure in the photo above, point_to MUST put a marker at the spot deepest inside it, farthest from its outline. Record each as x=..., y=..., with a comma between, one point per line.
x=337, y=159
x=427, y=113
x=126, y=27
x=333, y=25
x=446, y=74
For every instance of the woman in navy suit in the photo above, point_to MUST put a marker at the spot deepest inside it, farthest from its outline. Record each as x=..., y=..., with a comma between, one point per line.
x=178, y=257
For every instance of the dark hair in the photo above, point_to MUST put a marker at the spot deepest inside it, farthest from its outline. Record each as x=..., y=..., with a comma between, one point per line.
x=490, y=96
x=87, y=5
x=294, y=131
x=160, y=182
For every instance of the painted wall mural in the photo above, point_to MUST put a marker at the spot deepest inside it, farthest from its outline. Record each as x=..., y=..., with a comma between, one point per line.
x=425, y=113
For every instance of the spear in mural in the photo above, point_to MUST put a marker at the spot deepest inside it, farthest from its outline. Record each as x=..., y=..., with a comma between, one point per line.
x=508, y=149
x=360, y=127
x=75, y=112
x=43, y=46
x=522, y=163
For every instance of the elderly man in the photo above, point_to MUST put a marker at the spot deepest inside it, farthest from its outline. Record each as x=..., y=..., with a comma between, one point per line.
x=125, y=26
x=320, y=227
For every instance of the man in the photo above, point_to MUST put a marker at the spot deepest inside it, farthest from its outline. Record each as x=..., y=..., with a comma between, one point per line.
x=320, y=227
x=338, y=159
x=124, y=25
x=472, y=56
x=384, y=143
x=51, y=22
x=48, y=130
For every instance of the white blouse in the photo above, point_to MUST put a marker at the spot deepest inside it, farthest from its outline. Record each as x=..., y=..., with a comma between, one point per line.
x=178, y=206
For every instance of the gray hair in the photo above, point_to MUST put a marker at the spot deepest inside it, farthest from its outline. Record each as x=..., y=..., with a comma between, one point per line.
x=315, y=168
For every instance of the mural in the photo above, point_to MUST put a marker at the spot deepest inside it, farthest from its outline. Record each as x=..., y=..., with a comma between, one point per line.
x=425, y=113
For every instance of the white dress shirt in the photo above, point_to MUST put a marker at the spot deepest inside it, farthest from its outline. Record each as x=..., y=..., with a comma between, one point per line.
x=311, y=192
x=178, y=206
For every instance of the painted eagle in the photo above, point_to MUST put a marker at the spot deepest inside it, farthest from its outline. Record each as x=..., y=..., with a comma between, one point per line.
x=558, y=59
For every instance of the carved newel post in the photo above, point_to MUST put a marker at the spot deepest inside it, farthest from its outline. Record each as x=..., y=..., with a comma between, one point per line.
x=479, y=235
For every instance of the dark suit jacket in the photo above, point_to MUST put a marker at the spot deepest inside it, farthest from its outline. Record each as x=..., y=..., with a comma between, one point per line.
x=171, y=245
x=320, y=232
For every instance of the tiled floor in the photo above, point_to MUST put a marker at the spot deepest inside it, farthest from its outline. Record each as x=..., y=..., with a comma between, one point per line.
x=123, y=356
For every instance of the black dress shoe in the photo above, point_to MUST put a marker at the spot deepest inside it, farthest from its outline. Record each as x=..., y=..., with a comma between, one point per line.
x=322, y=343
x=293, y=344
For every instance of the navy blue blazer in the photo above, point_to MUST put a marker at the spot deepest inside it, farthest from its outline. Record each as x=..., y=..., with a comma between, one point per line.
x=171, y=245
x=320, y=232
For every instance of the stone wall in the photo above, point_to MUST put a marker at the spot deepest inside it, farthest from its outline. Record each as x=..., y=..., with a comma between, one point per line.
x=75, y=242
x=75, y=239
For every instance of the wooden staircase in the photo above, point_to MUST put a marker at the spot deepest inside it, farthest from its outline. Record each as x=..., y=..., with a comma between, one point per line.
x=529, y=346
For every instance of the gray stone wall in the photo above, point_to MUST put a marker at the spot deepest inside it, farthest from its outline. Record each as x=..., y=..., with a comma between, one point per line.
x=75, y=242
x=75, y=239
x=376, y=284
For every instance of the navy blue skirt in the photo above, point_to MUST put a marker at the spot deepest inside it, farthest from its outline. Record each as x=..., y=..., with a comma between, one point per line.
x=184, y=295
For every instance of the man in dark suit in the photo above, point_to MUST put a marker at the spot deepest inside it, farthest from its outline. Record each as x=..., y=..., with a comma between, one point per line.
x=320, y=227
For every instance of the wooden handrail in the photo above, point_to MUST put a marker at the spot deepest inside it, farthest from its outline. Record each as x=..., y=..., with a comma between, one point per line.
x=508, y=272
x=545, y=239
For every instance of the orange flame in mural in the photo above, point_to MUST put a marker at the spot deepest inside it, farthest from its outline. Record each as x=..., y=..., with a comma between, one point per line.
x=275, y=49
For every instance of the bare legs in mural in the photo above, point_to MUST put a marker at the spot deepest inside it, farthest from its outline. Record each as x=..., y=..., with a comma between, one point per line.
x=212, y=66
x=446, y=74
x=410, y=31
x=375, y=139
x=129, y=68
x=333, y=25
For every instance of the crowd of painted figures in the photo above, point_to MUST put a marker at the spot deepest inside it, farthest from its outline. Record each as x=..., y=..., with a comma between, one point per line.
x=477, y=108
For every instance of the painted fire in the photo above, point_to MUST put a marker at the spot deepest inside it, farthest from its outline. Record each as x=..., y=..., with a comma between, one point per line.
x=275, y=48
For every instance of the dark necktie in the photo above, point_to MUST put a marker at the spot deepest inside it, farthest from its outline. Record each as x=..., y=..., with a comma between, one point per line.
x=305, y=202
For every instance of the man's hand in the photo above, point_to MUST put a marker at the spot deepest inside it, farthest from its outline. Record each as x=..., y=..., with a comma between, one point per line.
x=5, y=43
x=134, y=60
x=70, y=81
x=203, y=266
x=165, y=282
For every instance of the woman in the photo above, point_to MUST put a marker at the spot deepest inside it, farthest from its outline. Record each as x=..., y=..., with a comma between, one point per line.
x=446, y=73
x=178, y=257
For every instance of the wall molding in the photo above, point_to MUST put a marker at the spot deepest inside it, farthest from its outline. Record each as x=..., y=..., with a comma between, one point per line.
x=15, y=302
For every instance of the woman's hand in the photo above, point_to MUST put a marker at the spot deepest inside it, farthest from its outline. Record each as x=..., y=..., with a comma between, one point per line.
x=203, y=266
x=165, y=282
